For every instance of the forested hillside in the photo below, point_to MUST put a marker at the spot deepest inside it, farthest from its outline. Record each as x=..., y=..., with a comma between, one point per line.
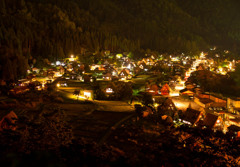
x=31, y=30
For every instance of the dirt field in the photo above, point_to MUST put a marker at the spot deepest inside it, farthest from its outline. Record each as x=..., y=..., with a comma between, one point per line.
x=93, y=121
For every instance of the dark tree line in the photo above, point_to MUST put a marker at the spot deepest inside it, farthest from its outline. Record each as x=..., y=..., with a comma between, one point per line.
x=33, y=30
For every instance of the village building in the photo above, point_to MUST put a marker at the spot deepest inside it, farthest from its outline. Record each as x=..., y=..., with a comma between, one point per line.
x=8, y=120
x=107, y=76
x=234, y=120
x=233, y=105
x=206, y=100
x=191, y=116
x=189, y=85
x=165, y=90
x=153, y=89
x=213, y=121
x=235, y=130
x=123, y=74
x=142, y=65
x=186, y=92
x=167, y=107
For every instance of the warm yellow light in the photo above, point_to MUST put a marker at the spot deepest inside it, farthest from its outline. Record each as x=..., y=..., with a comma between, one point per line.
x=179, y=87
x=174, y=94
x=87, y=95
x=109, y=90
x=156, y=105
x=58, y=84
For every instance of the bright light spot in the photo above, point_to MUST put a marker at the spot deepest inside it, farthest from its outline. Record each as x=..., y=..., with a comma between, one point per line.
x=156, y=105
x=186, y=122
x=114, y=73
x=87, y=94
x=72, y=58
x=179, y=87
x=179, y=105
x=119, y=56
x=109, y=90
x=174, y=94
x=58, y=63
x=202, y=55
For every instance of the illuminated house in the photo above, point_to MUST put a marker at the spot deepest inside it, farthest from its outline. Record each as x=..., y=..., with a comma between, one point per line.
x=88, y=94
x=142, y=65
x=213, y=121
x=165, y=90
x=153, y=89
x=114, y=72
x=149, y=61
x=203, y=102
x=186, y=92
x=109, y=90
x=232, y=120
x=127, y=65
x=189, y=85
x=123, y=74
x=84, y=93
x=167, y=107
x=107, y=76
x=191, y=116
x=97, y=67
x=233, y=105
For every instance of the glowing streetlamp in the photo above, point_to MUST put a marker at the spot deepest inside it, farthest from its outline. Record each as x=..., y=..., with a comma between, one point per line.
x=71, y=58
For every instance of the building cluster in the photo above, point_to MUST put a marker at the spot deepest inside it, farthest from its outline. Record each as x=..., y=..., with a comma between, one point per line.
x=165, y=75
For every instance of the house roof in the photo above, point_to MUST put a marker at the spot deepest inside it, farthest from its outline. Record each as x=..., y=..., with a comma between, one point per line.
x=154, y=87
x=234, y=128
x=192, y=115
x=236, y=120
x=210, y=120
x=186, y=91
x=205, y=100
x=4, y=113
x=165, y=88
x=218, y=105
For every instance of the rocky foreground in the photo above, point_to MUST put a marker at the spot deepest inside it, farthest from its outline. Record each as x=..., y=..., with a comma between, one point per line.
x=45, y=136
